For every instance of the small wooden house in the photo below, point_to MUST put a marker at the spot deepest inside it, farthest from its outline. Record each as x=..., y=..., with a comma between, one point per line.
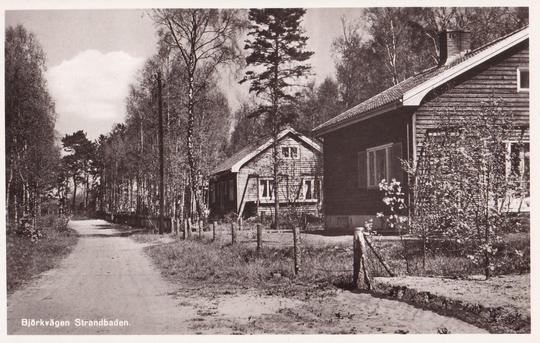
x=244, y=185
x=365, y=144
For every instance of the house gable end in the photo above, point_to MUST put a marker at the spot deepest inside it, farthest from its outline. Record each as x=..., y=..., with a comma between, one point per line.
x=264, y=147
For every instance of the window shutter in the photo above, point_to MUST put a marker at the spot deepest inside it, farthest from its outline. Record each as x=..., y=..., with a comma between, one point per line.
x=362, y=169
x=396, y=172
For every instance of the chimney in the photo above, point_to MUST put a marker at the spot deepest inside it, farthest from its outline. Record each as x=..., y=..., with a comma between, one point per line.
x=453, y=44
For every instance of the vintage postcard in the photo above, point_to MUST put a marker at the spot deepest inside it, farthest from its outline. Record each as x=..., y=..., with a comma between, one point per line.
x=267, y=169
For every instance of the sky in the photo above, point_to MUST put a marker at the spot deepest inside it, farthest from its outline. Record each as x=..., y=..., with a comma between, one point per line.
x=94, y=55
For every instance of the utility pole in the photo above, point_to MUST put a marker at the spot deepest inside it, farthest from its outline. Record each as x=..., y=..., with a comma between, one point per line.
x=161, y=162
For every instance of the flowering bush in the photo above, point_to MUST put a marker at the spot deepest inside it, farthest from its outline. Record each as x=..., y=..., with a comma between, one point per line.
x=27, y=229
x=394, y=199
x=461, y=186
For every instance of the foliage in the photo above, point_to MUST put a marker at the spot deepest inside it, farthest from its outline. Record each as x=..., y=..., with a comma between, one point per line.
x=462, y=188
x=26, y=259
x=128, y=155
x=277, y=52
x=247, y=128
x=79, y=161
x=317, y=104
x=277, y=59
x=27, y=229
x=32, y=157
x=387, y=45
x=203, y=39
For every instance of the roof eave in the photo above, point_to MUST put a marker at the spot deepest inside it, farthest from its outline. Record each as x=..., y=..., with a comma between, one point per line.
x=414, y=96
x=367, y=115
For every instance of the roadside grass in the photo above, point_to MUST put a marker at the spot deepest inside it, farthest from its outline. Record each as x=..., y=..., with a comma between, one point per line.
x=446, y=260
x=25, y=259
x=199, y=261
x=217, y=264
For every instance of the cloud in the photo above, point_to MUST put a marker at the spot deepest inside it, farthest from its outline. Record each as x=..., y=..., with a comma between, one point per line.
x=90, y=90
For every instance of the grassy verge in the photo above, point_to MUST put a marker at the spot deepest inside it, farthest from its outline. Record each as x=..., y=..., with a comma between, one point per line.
x=217, y=264
x=450, y=261
x=26, y=259
x=323, y=266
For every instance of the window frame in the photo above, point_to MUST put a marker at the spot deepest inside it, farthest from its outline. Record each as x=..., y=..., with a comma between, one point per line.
x=270, y=185
x=386, y=147
x=310, y=179
x=289, y=148
x=508, y=159
x=519, y=70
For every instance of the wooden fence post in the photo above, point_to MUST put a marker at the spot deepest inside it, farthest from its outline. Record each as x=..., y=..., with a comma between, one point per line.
x=296, y=249
x=361, y=276
x=240, y=224
x=259, y=237
x=233, y=233
x=200, y=228
x=213, y=231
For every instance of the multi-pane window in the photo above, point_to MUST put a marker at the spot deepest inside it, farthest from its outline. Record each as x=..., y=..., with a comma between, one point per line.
x=266, y=189
x=378, y=164
x=289, y=152
x=523, y=79
x=308, y=189
x=518, y=162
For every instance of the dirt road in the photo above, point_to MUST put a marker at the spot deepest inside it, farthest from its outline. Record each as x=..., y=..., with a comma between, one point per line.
x=108, y=279
x=106, y=276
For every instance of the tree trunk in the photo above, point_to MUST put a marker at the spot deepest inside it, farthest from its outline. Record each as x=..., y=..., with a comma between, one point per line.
x=86, y=192
x=275, y=132
x=276, y=184
x=73, y=201
x=190, y=149
x=161, y=157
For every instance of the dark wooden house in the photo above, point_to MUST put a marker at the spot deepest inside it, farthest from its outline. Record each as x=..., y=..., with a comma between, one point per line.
x=243, y=184
x=364, y=144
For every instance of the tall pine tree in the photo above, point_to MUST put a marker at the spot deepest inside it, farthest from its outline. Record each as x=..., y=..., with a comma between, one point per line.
x=277, y=54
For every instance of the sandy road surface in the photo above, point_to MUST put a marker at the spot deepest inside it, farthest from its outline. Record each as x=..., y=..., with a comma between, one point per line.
x=109, y=276
x=106, y=276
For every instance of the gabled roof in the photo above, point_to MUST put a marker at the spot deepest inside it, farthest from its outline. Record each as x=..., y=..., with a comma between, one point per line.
x=247, y=153
x=411, y=91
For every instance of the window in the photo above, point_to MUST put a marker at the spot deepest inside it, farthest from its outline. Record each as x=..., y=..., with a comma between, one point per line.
x=378, y=164
x=308, y=191
x=518, y=162
x=266, y=189
x=231, y=189
x=523, y=79
x=289, y=152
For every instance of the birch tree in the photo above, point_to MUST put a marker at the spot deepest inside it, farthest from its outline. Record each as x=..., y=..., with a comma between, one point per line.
x=204, y=39
x=32, y=157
